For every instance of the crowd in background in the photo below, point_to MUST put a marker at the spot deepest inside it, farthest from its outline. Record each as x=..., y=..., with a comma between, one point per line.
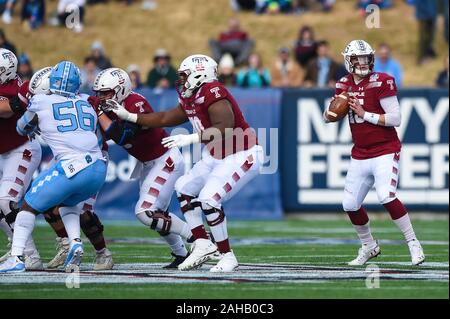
x=307, y=62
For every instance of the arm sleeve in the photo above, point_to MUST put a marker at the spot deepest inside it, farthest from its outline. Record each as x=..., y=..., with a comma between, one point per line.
x=391, y=107
x=121, y=132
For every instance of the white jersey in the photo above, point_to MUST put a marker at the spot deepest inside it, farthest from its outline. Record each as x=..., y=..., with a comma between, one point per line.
x=67, y=125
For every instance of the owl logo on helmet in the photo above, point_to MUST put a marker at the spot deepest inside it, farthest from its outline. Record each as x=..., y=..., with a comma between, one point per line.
x=359, y=58
x=194, y=71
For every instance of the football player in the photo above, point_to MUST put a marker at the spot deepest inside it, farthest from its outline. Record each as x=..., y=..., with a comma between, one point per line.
x=157, y=168
x=89, y=221
x=67, y=122
x=374, y=114
x=19, y=157
x=231, y=158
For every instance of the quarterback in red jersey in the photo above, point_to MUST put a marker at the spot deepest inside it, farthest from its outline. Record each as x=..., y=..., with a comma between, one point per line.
x=157, y=168
x=231, y=158
x=374, y=113
x=19, y=157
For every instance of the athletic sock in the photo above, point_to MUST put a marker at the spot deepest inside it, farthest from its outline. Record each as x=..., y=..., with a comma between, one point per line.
x=401, y=218
x=22, y=232
x=219, y=229
x=176, y=244
x=361, y=223
x=180, y=227
x=71, y=222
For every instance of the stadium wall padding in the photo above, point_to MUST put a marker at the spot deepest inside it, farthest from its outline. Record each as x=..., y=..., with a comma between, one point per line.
x=309, y=157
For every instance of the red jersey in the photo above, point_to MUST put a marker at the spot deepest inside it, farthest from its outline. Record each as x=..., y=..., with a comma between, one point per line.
x=370, y=140
x=196, y=109
x=10, y=139
x=146, y=145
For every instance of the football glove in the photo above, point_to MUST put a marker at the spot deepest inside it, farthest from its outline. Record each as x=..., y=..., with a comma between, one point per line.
x=28, y=126
x=180, y=140
x=121, y=112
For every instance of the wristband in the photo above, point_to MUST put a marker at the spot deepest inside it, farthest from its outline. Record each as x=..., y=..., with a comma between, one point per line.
x=371, y=117
x=196, y=137
x=132, y=117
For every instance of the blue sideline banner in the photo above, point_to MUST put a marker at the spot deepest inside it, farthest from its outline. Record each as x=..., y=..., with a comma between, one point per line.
x=315, y=155
x=260, y=199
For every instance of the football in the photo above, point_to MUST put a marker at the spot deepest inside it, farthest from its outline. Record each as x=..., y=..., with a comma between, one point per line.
x=338, y=107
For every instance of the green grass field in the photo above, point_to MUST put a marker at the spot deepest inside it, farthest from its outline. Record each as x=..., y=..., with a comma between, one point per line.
x=299, y=258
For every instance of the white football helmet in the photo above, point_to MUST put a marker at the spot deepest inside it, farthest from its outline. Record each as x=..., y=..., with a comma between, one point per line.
x=114, y=79
x=362, y=54
x=194, y=71
x=8, y=65
x=40, y=81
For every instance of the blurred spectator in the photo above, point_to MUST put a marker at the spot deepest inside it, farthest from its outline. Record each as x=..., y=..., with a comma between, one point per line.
x=426, y=13
x=33, y=13
x=163, y=75
x=88, y=74
x=147, y=4
x=285, y=72
x=5, y=44
x=382, y=4
x=6, y=7
x=273, y=6
x=24, y=68
x=301, y=6
x=322, y=71
x=135, y=76
x=97, y=53
x=255, y=75
x=442, y=78
x=248, y=5
x=305, y=47
x=234, y=41
x=227, y=76
x=444, y=10
x=385, y=63
x=66, y=17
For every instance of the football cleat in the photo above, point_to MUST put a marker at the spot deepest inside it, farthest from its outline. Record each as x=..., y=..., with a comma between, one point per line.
x=33, y=262
x=8, y=253
x=227, y=263
x=74, y=257
x=13, y=264
x=216, y=256
x=176, y=262
x=417, y=255
x=365, y=253
x=202, y=249
x=103, y=260
x=62, y=249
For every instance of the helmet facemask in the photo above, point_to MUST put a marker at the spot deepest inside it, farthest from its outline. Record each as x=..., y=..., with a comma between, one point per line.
x=104, y=95
x=361, y=65
x=189, y=82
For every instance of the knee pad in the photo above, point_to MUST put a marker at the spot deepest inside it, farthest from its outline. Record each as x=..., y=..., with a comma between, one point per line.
x=157, y=220
x=349, y=204
x=90, y=224
x=187, y=202
x=8, y=210
x=214, y=216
